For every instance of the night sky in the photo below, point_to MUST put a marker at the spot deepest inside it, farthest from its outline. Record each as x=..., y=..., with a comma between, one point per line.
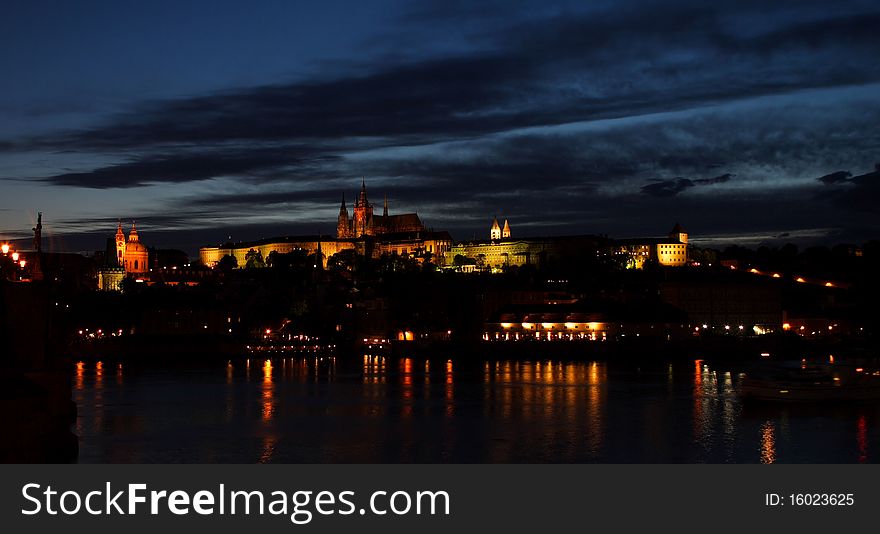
x=750, y=121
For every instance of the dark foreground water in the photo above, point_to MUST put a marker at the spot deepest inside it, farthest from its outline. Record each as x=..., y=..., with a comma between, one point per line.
x=419, y=410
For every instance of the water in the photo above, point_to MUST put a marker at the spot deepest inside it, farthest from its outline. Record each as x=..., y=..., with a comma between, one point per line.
x=375, y=409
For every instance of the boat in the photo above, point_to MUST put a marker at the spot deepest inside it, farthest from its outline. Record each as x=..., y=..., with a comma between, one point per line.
x=802, y=382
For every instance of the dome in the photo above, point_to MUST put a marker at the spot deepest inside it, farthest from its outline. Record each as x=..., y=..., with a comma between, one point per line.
x=135, y=247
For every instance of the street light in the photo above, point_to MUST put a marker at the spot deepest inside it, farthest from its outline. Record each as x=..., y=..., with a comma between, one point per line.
x=22, y=263
x=15, y=256
x=5, y=248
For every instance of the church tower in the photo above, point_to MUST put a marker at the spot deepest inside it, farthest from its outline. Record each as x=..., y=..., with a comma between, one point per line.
x=343, y=230
x=363, y=214
x=120, y=245
x=495, y=231
x=505, y=232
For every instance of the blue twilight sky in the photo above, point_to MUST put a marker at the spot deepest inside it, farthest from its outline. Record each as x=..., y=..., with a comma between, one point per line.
x=745, y=121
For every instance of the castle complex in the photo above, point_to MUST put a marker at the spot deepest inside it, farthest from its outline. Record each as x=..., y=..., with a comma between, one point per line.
x=364, y=232
x=372, y=235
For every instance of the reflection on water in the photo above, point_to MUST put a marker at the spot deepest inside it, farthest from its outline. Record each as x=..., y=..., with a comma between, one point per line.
x=862, y=438
x=768, y=443
x=268, y=400
x=382, y=409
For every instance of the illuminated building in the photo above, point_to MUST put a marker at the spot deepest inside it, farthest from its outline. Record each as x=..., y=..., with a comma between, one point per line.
x=585, y=321
x=135, y=257
x=364, y=223
x=671, y=252
x=365, y=233
x=501, y=251
x=125, y=256
x=495, y=254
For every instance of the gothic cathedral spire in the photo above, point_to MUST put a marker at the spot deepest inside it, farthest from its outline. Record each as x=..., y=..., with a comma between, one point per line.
x=343, y=230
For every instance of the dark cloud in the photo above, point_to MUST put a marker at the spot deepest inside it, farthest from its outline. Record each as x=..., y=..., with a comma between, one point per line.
x=190, y=166
x=836, y=177
x=551, y=70
x=669, y=188
x=855, y=193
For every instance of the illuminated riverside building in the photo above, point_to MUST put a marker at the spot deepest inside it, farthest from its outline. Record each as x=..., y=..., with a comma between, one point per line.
x=363, y=232
x=580, y=321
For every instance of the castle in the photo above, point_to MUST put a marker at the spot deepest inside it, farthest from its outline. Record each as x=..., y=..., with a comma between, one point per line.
x=372, y=235
x=363, y=232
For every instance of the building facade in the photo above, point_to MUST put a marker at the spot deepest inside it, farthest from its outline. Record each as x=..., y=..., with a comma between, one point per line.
x=668, y=252
x=125, y=256
x=502, y=251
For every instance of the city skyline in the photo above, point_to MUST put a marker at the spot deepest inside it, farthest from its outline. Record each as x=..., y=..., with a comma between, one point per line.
x=745, y=122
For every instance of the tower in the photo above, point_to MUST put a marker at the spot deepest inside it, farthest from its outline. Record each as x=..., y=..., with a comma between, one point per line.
x=120, y=245
x=363, y=214
x=505, y=232
x=385, y=208
x=495, y=231
x=36, y=267
x=133, y=235
x=678, y=234
x=343, y=229
x=38, y=233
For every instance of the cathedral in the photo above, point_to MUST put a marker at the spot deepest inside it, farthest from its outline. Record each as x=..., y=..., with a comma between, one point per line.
x=364, y=223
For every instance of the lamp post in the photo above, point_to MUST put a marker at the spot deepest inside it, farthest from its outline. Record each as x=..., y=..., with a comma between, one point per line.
x=7, y=264
x=10, y=263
